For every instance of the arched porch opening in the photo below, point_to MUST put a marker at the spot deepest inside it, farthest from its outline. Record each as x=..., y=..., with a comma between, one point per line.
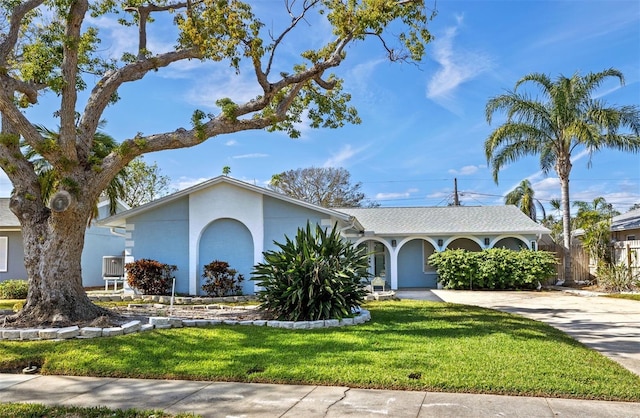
x=511, y=243
x=227, y=240
x=464, y=244
x=414, y=270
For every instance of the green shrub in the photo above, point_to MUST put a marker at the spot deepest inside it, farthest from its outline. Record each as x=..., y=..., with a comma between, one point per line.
x=14, y=289
x=316, y=276
x=617, y=278
x=220, y=280
x=150, y=276
x=495, y=268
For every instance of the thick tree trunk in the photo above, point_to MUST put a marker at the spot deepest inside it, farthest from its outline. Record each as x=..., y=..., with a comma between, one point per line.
x=53, y=245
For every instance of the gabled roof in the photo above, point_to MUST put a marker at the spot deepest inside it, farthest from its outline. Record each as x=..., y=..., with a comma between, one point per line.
x=7, y=219
x=626, y=221
x=119, y=219
x=445, y=220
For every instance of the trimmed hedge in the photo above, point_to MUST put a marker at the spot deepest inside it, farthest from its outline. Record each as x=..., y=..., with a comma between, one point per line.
x=495, y=268
x=14, y=289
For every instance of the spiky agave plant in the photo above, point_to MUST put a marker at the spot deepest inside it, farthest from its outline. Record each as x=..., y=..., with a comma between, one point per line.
x=315, y=276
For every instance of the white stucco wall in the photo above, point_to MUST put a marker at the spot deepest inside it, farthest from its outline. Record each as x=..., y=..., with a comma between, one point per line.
x=223, y=201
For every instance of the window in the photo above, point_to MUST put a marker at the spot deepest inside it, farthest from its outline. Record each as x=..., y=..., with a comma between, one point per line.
x=4, y=253
x=631, y=237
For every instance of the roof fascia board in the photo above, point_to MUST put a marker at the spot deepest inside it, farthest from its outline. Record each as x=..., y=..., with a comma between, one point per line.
x=119, y=218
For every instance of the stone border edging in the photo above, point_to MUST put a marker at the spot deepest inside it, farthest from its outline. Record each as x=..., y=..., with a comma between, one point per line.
x=158, y=322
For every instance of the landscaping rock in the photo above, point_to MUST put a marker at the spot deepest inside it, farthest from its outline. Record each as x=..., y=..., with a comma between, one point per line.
x=68, y=332
x=91, y=332
x=158, y=321
x=112, y=332
x=30, y=334
x=11, y=334
x=146, y=327
x=48, y=333
x=175, y=322
x=131, y=327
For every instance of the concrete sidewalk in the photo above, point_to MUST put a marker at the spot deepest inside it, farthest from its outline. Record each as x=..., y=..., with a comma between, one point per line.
x=216, y=399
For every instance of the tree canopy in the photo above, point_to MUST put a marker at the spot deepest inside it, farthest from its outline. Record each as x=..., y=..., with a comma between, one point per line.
x=523, y=196
x=53, y=48
x=143, y=183
x=328, y=187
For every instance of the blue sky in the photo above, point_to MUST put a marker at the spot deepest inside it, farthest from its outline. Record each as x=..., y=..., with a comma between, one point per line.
x=422, y=125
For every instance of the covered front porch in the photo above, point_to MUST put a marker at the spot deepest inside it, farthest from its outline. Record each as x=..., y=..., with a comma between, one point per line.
x=403, y=263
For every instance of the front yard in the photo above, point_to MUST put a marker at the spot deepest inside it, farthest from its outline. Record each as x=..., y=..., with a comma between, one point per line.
x=411, y=345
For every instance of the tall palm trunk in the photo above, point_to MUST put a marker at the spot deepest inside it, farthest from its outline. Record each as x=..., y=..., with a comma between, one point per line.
x=563, y=169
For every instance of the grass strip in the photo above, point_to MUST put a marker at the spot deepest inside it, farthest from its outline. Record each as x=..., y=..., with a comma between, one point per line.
x=25, y=410
x=408, y=345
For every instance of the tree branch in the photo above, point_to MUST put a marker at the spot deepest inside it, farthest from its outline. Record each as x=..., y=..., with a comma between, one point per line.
x=105, y=88
x=11, y=38
x=143, y=15
x=69, y=94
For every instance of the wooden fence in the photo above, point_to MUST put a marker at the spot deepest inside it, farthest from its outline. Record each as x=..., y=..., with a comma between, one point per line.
x=580, y=267
x=628, y=254
x=584, y=269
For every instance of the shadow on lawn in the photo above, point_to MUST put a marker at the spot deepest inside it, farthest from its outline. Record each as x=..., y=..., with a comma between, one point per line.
x=243, y=353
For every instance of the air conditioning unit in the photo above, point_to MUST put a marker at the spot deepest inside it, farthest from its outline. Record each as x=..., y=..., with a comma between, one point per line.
x=112, y=271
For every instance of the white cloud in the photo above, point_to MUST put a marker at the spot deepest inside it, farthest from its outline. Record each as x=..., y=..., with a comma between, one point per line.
x=254, y=155
x=340, y=158
x=119, y=39
x=231, y=142
x=466, y=170
x=186, y=182
x=438, y=195
x=239, y=87
x=456, y=67
x=390, y=196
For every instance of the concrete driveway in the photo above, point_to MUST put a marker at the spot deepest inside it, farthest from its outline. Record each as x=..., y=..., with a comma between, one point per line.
x=610, y=326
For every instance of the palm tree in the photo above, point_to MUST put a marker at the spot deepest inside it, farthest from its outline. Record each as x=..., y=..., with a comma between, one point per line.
x=523, y=197
x=594, y=219
x=103, y=144
x=566, y=119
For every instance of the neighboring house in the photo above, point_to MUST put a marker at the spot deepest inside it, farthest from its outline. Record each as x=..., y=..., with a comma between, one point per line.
x=99, y=242
x=233, y=221
x=626, y=227
x=625, y=237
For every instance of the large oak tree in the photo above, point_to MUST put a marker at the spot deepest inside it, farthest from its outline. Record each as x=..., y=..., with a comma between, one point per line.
x=51, y=46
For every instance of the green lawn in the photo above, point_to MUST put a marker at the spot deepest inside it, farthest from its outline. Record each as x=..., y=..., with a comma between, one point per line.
x=8, y=303
x=635, y=296
x=411, y=345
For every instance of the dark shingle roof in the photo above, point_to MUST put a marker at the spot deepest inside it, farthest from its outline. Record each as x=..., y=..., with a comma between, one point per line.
x=626, y=221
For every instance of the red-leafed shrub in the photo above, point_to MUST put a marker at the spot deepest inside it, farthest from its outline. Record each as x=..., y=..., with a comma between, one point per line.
x=220, y=280
x=151, y=277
